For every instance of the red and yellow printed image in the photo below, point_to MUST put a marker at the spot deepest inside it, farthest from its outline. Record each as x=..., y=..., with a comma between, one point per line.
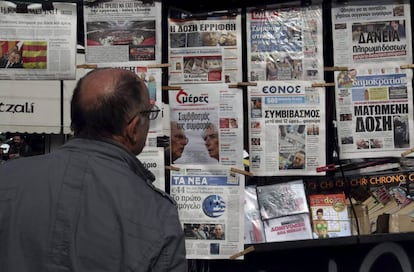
x=23, y=54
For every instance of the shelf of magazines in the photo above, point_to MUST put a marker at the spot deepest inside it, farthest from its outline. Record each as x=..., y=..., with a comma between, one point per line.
x=334, y=242
x=381, y=202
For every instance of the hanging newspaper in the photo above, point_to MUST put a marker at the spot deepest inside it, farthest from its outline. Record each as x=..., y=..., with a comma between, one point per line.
x=152, y=157
x=371, y=32
x=285, y=43
x=123, y=31
x=210, y=205
x=39, y=44
x=287, y=128
x=374, y=108
x=206, y=125
x=205, y=50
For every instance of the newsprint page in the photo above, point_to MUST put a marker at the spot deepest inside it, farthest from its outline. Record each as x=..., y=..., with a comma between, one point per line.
x=210, y=205
x=39, y=44
x=287, y=128
x=123, y=31
x=205, y=50
x=373, y=94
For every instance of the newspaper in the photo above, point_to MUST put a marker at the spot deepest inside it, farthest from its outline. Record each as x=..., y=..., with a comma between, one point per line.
x=287, y=128
x=123, y=31
x=374, y=111
x=207, y=125
x=205, y=50
x=210, y=205
x=152, y=158
x=285, y=43
x=371, y=32
x=39, y=44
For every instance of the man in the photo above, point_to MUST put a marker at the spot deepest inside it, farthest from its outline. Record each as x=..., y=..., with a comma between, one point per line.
x=19, y=147
x=298, y=161
x=178, y=141
x=91, y=205
x=218, y=232
x=211, y=141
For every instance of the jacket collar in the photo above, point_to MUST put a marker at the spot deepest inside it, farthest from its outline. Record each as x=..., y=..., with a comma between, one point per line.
x=113, y=149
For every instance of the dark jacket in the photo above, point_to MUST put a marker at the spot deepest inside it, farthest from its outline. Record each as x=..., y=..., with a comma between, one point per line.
x=89, y=206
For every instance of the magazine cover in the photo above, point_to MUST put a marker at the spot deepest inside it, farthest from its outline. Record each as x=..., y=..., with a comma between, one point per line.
x=329, y=215
x=253, y=225
x=282, y=199
x=288, y=228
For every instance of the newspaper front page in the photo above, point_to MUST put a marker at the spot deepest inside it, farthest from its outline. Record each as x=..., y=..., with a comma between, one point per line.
x=207, y=125
x=371, y=32
x=374, y=111
x=287, y=128
x=205, y=50
x=39, y=44
x=210, y=205
x=285, y=43
x=123, y=31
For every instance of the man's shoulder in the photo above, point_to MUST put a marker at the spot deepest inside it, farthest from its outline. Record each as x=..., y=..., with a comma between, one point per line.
x=163, y=194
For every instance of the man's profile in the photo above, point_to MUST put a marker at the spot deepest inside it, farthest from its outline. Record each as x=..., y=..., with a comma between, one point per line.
x=211, y=141
x=178, y=141
x=90, y=205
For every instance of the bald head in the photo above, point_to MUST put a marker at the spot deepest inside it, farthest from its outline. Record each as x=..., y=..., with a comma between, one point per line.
x=99, y=84
x=105, y=100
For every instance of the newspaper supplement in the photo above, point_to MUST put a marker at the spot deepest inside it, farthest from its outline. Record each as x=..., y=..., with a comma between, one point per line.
x=123, y=31
x=287, y=128
x=206, y=125
x=282, y=199
x=370, y=32
x=210, y=205
x=39, y=44
x=205, y=50
x=288, y=228
x=285, y=43
x=374, y=112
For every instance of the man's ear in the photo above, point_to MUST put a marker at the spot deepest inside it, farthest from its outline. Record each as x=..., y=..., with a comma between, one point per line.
x=132, y=129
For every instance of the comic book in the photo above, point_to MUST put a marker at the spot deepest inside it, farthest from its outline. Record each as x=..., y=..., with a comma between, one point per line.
x=329, y=215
